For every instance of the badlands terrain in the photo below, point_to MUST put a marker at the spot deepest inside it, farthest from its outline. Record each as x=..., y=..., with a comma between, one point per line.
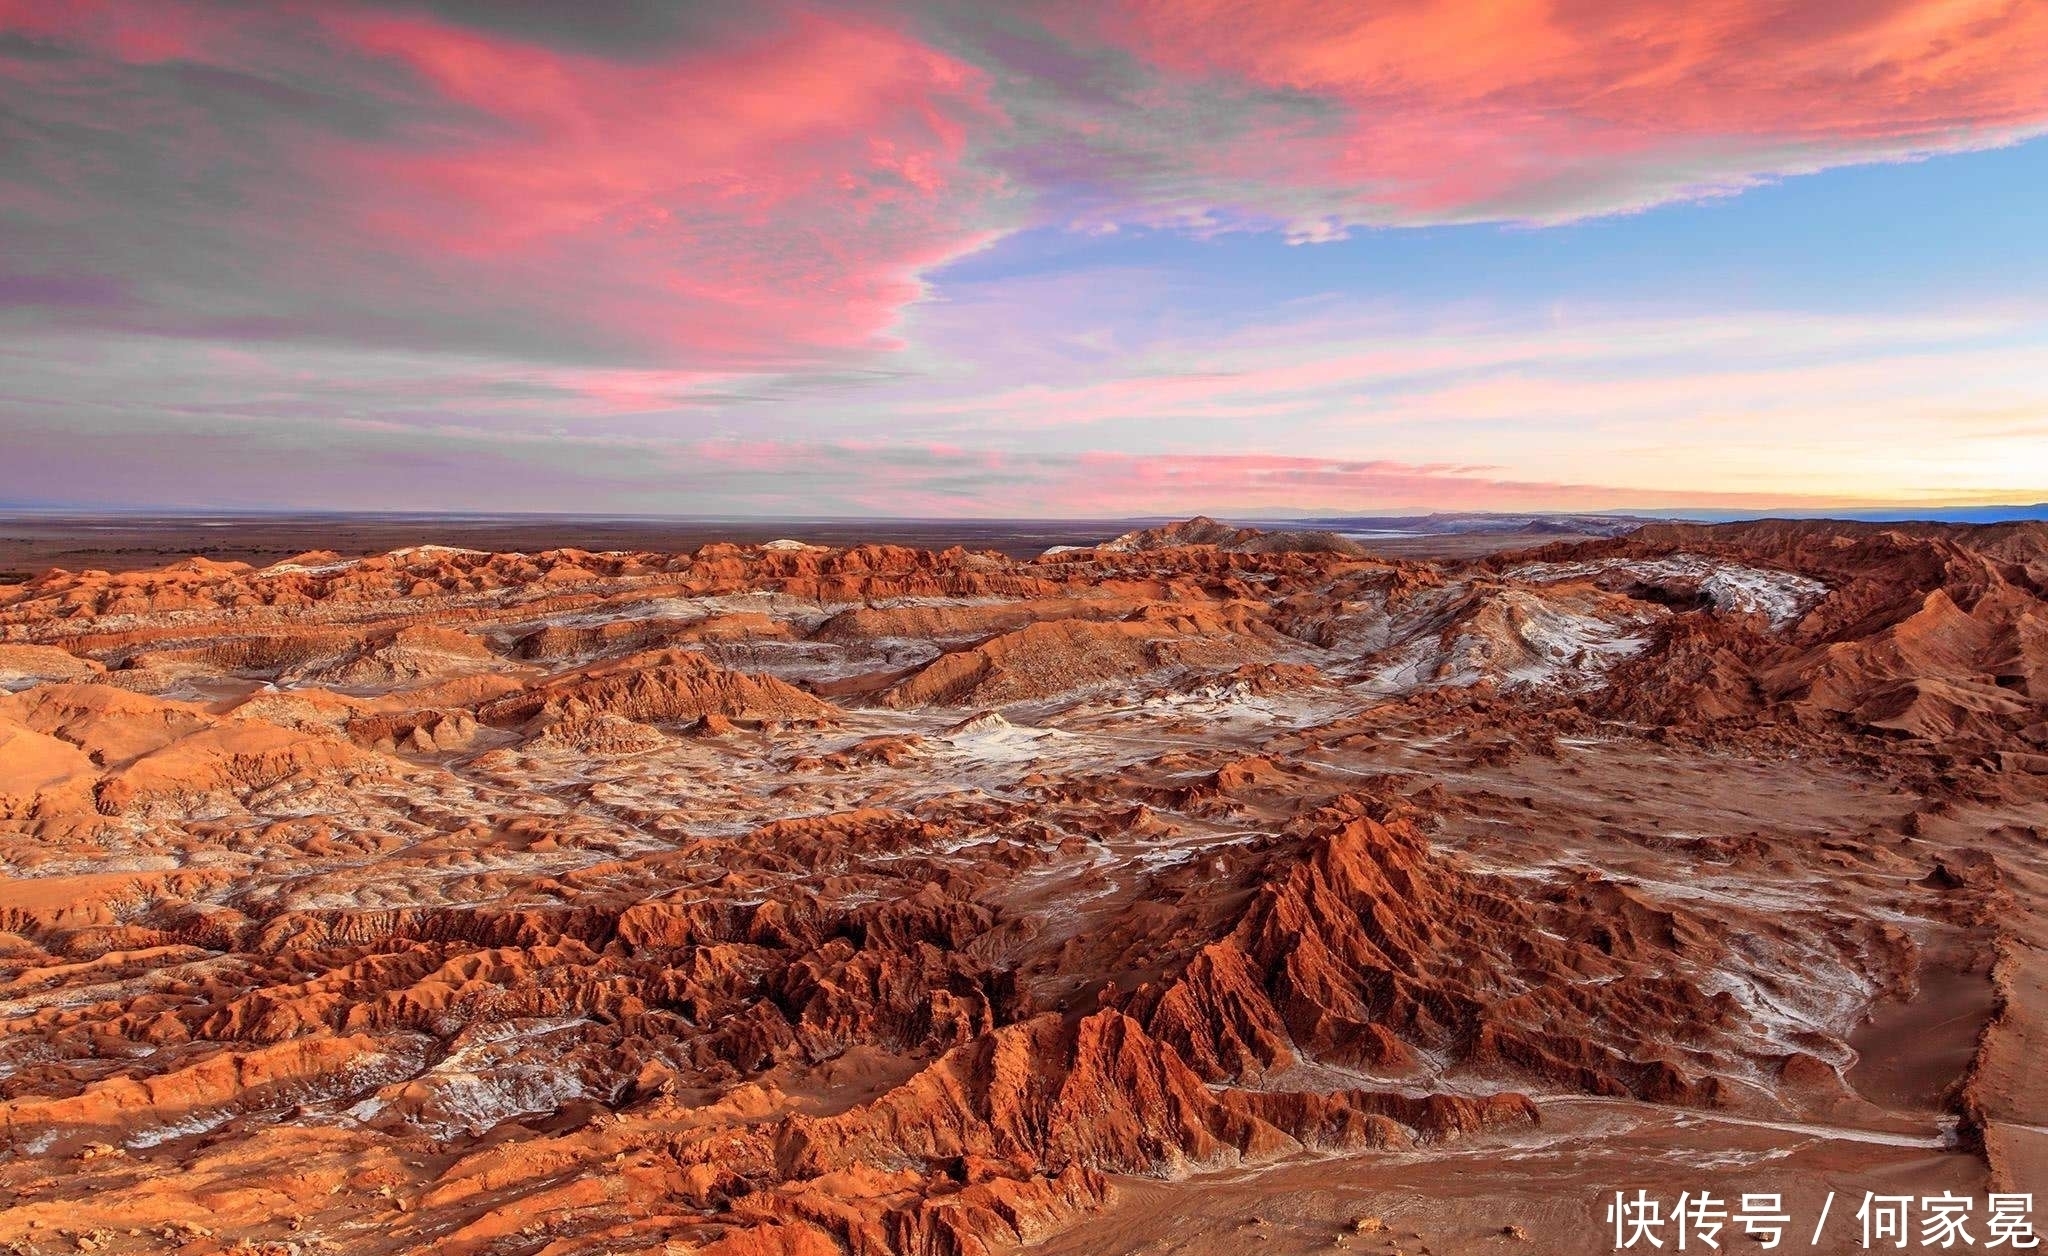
x=1200, y=891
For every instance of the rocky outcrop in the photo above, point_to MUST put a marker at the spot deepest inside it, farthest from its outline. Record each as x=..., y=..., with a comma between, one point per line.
x=1202, y=530
x=666, y=686
x=1366, y=951
x=1058, y=657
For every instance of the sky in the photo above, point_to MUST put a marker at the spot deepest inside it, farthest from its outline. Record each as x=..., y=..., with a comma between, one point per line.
x=1081, y=258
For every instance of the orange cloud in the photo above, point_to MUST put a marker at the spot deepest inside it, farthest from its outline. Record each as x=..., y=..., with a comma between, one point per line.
x=1546, y=109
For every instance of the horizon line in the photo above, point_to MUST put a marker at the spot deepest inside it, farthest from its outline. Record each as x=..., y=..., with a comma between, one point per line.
x=1899, y=513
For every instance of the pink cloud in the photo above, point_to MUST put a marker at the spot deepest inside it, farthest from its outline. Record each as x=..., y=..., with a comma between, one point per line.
x=771, y=192
x=1541, y=109
x=936, y=480
x=769, y=197
x=1102, y=484
x=125, y=31
x=782, y=193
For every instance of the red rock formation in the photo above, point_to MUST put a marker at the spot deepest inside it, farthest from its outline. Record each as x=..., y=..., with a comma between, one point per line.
x=660, y=686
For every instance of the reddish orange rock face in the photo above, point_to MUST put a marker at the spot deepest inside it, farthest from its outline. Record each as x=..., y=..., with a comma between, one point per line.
x=796, y=900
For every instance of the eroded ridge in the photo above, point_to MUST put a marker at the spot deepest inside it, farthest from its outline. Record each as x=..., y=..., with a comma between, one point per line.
x=802, y=900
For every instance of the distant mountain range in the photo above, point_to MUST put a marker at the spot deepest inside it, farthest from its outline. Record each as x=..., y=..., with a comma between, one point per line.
x=1899, y=514
x=1539, y=523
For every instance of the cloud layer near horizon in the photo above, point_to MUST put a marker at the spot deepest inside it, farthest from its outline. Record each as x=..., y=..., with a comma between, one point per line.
x=1729, y=412
x=699, y=201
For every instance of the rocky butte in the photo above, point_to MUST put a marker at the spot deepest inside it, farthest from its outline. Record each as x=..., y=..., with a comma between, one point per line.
x=1200, y=890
